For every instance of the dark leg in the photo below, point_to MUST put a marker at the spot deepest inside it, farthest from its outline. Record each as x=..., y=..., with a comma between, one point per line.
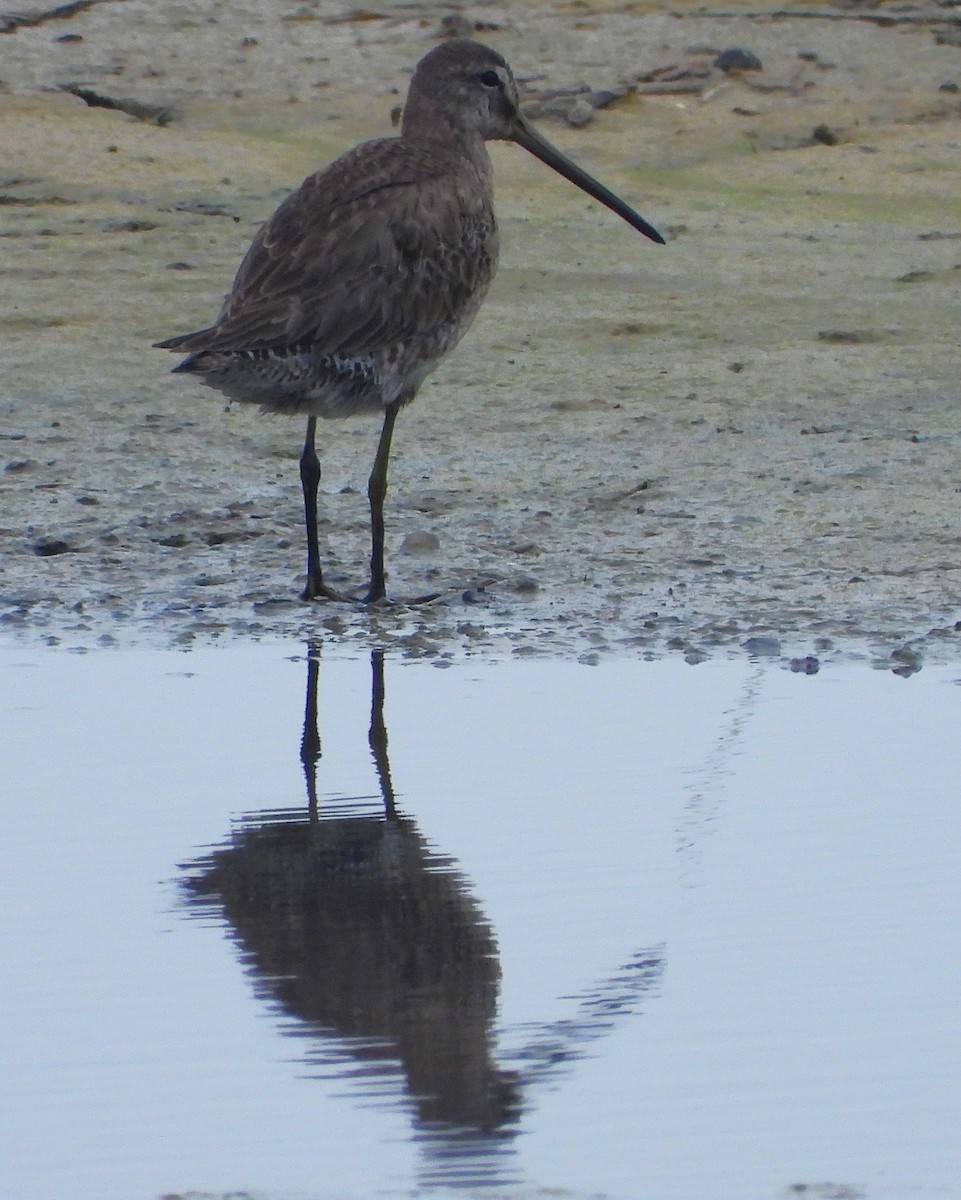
x=316, y=589
x=377, y=736
x=376, y=491
x=310, y=742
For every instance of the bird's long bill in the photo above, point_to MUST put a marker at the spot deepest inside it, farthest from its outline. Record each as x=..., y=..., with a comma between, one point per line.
x=528, y=137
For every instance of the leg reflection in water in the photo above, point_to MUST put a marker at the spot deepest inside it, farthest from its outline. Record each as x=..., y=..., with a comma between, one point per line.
x=356, y=928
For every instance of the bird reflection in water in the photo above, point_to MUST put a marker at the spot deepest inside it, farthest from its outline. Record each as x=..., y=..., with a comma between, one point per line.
x=352, y=925
x=370, y=941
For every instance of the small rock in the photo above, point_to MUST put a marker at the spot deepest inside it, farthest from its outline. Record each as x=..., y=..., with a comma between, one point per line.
x=456, y=25
x=421, y=542
x=847, y=337
x=907, y=656
x=47, y=546
x=825, y=135
x=580, y=113
x=762, y=647
x=809, y=665
x=735, y=58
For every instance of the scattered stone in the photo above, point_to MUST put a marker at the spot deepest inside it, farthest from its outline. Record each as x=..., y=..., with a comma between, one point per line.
x=762, y=646
x=579, y=114
x=275, y=604
x=824, y=135
x=809, y=665
x=735, y=58
x=675, y=73
x=848, y=337
x=47, y=546
x=574, y=104
x=908, y=659
x=420, y=542
x=456, y=25
x=127, y=226
x=222, y=537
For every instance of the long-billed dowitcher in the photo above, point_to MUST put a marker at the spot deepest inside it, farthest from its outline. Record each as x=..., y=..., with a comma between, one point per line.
x=374, y=268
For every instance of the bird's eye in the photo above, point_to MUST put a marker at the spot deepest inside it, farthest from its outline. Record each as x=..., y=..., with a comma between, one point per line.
x=490, y=79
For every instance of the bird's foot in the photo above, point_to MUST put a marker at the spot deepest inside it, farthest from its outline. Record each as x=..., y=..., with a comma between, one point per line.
x=380, y=600
x=316, y=589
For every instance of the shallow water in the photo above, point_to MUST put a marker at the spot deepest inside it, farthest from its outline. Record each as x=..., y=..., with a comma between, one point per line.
x=639, y=928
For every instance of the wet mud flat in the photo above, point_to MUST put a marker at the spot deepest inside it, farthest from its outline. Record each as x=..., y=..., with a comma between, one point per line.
x=747, y=438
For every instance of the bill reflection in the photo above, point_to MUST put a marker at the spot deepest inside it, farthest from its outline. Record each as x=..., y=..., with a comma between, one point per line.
x=371, y=948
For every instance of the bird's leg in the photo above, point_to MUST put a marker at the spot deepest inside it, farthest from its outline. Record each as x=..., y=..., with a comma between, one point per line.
x=316, y=589
x=376, y=491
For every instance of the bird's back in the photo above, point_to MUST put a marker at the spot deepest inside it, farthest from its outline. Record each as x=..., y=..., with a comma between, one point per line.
x=360, y=282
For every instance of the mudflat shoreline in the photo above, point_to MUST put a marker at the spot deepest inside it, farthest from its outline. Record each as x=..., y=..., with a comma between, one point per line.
x=748, y=438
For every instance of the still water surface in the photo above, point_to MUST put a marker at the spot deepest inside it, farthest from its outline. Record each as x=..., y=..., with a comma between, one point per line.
x=641, y=928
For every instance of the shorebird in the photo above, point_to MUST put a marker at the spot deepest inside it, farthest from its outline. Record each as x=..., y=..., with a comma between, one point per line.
x=373, y=270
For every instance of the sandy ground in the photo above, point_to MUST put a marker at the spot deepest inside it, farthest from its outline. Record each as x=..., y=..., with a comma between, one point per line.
x=750, y=436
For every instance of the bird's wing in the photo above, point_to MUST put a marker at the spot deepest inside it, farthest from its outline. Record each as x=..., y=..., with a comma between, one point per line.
x=385, y=244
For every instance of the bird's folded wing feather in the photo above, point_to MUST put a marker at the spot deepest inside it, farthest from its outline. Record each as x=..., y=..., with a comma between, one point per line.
x=380, y=246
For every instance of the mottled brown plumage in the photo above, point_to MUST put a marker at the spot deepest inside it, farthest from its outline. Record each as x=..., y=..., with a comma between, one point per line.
x=373, y=270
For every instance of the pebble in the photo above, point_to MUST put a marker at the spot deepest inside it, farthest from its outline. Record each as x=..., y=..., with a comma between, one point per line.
x=762, y=647
x=47, y=546
x=421, y=542
x=735, y=58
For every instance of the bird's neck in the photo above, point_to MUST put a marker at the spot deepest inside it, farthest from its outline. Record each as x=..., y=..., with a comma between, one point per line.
x=427, y=124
